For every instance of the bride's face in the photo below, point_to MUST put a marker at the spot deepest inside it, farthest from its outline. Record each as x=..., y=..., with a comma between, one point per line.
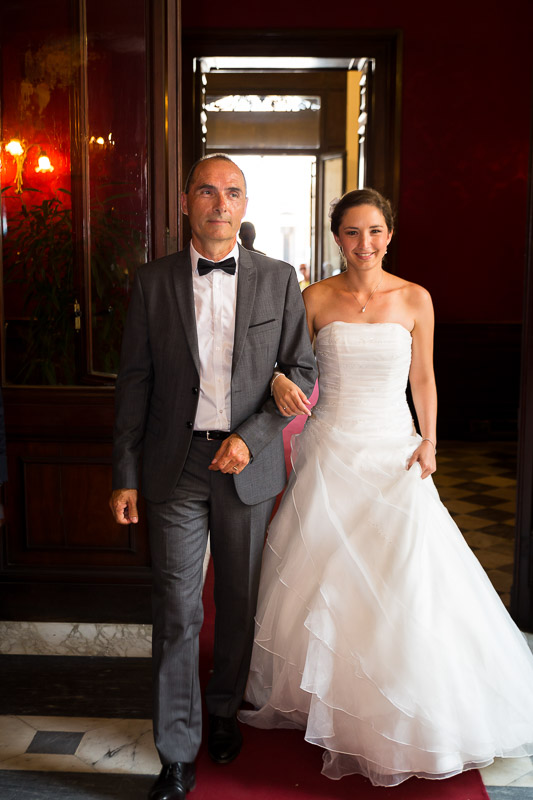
x=363, y=236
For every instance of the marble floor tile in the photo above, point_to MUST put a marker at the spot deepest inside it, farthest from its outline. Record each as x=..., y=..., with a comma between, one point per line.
x=505, y=597
x=508, y=793
x=498, y=480
x=465, y=522
x=106, y=745
x=501, y=517
x=507, y=505
x=526, y=780
x=508, y=493
x=490, y=559
x=62, y=723
x=52, y=742
x=485, y=499
x=499, y=529
x=15, y=737
x=75, y=639
x=477, y=538
x=449, y=480
x=501, y=580
x=46, y=763
x=452, y=492
x=463, y=507
x=121, y=746
x=505, y=770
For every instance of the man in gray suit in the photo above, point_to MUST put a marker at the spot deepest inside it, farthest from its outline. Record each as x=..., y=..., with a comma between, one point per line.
x=206, y=327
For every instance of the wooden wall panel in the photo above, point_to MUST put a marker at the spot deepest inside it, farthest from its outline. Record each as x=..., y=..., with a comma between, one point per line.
x=67, y=519
x=60, y=540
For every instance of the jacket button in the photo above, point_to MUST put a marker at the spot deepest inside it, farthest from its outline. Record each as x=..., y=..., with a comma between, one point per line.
x=195, y=390
x=189, y=424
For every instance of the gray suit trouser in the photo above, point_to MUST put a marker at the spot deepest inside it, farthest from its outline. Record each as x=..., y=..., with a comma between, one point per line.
x=203, y=502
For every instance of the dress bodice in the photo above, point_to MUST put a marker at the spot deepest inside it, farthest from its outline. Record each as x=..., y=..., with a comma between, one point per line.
x=363, y=373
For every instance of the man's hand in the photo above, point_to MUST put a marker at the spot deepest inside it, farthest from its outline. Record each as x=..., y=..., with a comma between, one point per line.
x=232, y=455
x=123, y=504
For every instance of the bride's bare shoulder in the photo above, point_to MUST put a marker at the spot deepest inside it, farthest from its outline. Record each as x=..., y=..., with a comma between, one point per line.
x=319, y=298
x=412, y=294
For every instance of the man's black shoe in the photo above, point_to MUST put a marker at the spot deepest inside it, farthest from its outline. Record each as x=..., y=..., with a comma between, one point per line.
x=225, y=739
x=174, y=781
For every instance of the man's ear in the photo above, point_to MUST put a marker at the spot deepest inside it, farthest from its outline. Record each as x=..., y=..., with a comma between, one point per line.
x=184, y=207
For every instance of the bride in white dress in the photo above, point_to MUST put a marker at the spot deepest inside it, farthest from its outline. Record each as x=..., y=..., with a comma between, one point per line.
x=377, y=631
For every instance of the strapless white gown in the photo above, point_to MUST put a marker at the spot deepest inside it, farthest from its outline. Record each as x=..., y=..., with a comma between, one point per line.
x=377, y=630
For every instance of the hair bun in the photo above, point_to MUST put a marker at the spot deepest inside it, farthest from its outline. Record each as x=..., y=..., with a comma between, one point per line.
x=332, y=206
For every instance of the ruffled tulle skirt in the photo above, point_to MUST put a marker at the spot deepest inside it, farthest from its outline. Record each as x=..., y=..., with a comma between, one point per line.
x=377, y=632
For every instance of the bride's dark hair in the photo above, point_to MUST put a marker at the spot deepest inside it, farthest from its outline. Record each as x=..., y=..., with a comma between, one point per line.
x=361, y=197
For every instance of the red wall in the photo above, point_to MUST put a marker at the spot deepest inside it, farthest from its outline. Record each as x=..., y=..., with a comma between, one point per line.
x=466, y=107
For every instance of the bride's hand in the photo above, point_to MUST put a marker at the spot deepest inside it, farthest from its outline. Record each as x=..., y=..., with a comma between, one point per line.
x=289, y=398
x=425, y=455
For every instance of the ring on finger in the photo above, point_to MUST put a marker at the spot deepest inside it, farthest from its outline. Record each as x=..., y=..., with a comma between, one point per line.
x=235, y=469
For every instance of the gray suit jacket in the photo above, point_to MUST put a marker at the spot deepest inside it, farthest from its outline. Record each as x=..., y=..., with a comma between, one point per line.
x=158, y=384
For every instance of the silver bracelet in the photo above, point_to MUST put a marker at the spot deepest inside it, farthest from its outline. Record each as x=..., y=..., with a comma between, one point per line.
x=425, y=439
x=276, y=376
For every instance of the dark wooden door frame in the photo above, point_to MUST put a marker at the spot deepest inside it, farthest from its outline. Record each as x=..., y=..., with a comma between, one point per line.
x=385, y=47
x=522, y=592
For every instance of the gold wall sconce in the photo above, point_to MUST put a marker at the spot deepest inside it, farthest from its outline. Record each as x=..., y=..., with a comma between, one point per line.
x=43, y=163
x=18, y=150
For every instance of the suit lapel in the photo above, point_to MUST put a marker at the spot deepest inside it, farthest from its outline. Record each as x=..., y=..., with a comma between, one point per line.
x=182, y=277
x=246, y=286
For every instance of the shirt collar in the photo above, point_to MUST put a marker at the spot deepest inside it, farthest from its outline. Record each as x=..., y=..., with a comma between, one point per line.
x=195, y=255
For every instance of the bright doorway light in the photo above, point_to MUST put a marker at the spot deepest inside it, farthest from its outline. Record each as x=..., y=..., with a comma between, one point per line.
x=280, y=204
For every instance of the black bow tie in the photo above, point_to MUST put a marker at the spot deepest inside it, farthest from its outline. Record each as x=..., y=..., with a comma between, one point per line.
x=205, y=266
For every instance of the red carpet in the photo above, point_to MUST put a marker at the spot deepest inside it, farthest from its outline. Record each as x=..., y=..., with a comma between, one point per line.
x=280, y=765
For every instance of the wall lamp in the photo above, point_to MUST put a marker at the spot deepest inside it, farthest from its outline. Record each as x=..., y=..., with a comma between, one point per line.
x=18, y=150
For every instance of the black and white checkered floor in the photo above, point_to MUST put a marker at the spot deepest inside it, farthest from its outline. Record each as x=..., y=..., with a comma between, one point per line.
x=77, y=725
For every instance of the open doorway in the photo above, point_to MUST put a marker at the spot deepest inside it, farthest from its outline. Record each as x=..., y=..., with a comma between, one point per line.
x=304, y=127
x=364, y=136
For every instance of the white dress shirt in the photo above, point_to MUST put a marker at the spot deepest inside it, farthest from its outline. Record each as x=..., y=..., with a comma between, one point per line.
x=215, y=301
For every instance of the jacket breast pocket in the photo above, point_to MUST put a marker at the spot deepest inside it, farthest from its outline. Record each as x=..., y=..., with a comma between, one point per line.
x=263, y=328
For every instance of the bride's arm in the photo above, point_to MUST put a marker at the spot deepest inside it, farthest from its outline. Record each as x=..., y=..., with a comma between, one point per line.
x=422, y=382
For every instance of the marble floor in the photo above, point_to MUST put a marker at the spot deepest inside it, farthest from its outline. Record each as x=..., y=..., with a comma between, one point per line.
x=62, y=735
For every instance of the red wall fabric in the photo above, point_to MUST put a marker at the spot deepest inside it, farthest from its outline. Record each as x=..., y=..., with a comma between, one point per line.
x=466, y=108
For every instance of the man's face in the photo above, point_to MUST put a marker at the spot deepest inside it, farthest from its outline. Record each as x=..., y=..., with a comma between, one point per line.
x=215, y=205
